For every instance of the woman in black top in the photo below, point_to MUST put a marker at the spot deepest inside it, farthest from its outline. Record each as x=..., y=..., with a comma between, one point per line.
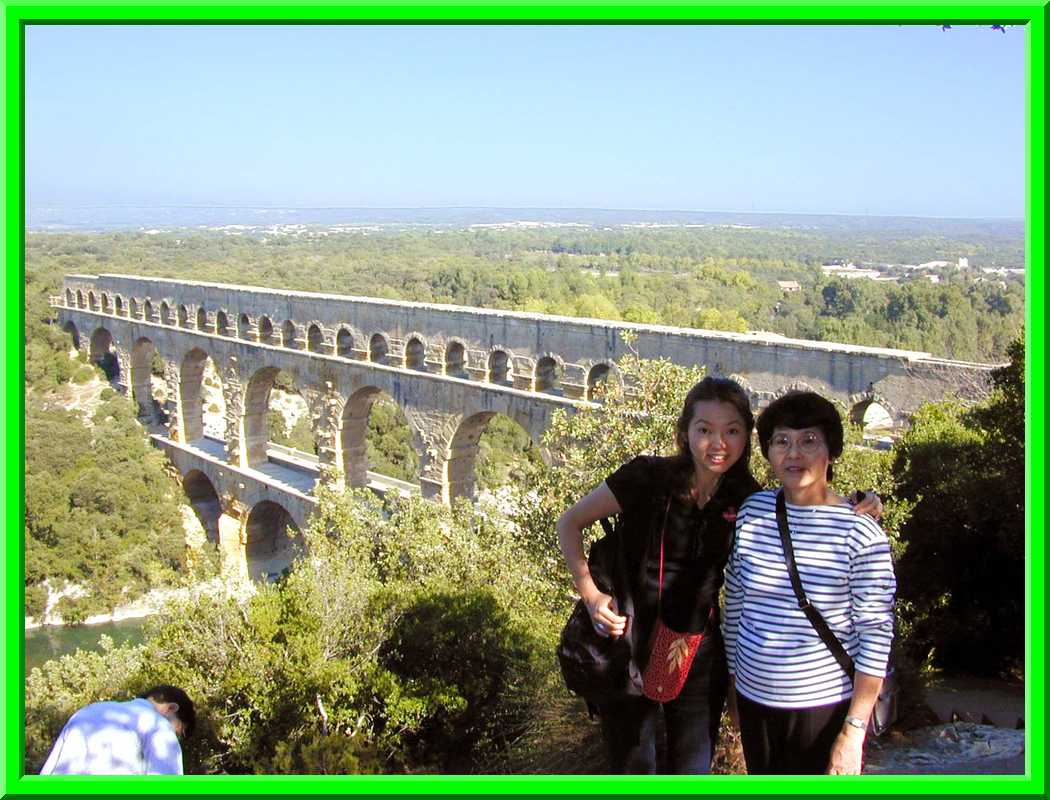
x=700, y=489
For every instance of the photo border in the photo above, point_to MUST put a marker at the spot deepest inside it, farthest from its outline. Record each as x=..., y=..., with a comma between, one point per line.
x=1032, y=15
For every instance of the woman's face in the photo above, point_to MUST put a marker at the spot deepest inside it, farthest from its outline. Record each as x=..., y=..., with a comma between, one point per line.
x=799, y=457
x=717, y=435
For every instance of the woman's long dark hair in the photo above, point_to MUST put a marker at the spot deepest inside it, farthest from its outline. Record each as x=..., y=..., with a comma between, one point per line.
x=723, y=390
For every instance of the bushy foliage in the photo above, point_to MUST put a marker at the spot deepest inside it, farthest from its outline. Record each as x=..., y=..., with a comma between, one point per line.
x=100, y=510
x=962, y=574
x=389, y=442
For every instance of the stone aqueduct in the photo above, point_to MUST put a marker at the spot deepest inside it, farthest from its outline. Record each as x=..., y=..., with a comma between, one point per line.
x=451, y=369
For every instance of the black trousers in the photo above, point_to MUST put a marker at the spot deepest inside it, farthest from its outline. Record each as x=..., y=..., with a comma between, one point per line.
x=788, y=741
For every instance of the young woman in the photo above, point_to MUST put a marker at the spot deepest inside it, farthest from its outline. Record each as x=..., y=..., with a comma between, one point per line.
x=798, y=710
x=698, y=491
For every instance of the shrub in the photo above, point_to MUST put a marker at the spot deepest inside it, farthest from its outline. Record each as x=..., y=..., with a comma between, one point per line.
x=83, y=374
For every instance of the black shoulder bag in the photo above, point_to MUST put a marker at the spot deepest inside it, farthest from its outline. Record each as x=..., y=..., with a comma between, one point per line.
x=595, y=667
x=884, y=713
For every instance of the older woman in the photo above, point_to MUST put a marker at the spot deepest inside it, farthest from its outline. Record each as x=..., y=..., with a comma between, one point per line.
x=798, y=710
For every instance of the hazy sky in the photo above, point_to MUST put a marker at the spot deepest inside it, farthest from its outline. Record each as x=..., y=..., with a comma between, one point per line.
x=869, y=120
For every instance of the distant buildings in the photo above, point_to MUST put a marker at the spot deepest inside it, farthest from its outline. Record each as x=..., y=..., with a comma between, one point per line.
x=788, y=287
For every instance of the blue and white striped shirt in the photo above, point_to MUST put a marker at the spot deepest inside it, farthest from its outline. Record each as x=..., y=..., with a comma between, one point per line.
x=843, y=559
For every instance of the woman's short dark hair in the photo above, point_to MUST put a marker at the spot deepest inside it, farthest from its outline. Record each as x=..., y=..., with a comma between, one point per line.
x=724, y=390
x=802, y=410
x=187, y=714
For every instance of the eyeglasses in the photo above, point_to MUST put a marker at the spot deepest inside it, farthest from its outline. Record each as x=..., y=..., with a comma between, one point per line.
x=808, y=442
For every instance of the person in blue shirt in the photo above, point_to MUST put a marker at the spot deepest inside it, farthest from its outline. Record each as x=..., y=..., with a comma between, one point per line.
x=135, y=737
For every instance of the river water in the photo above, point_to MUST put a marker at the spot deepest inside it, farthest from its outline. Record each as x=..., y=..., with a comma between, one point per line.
x=52, y=641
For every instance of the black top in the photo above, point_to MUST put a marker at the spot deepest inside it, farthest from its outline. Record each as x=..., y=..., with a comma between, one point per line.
x=697, y=543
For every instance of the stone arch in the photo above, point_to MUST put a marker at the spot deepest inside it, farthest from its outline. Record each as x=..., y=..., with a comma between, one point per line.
x=80, y=299
x=193, y=371
x=135, y=308
x=601, y=372
x=315, y=338
x=71, y=328
x=378, y=348
x=344, y=342
x=202, y=318
x=461, y=470
x=92, y=301
x=354, y=429
x=107, y=308
x=103, y=355
x=222, y=323
x=416, y=352
x=244, y=326
x=184, y=316
x=272, y=540
x=204, y=500
x=288, y=335
x=548, y=374
x=871, y=412
x=166, y=317
x=456, y=358
x=141, y=372
x=256, y=406
x=148, y=313
x=266, y=333
x=71, y=299
x=118, y=306
x=501, y=366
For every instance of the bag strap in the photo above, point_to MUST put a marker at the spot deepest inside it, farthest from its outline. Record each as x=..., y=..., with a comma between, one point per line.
x=815, y=618
x=660, y=589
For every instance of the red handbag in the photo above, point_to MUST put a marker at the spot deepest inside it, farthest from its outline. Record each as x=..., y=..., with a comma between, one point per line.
x=671, y=654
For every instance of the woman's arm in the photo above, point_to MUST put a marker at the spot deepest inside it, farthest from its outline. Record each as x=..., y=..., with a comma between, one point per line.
x=599, y=503
x=848, y=748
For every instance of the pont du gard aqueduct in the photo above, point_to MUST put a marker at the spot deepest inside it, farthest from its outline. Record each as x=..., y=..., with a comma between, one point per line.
x=451, y=369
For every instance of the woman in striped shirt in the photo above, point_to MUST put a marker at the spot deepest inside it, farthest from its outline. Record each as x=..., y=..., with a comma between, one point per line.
x=797, y=709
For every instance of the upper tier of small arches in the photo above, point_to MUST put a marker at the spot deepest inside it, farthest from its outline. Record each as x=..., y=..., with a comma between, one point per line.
x=443, y=355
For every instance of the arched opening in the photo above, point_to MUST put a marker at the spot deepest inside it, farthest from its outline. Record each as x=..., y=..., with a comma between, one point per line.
x=344, y=344
x=288, y=335
x=415, y=354
x=266, y=331
x=204, y=501
x=71, y=329
x=133, y=304
x=277, y=420
x=80, y=299
x=102, y=354
x=166, y=317
x=184, y=316
x=500, y=368
x=548, y=375
x=456, y=360
x=71, y=299
x=598, y=382
x=314, y=339
x=142, y=360
x=203, y=409
x=378, y=347
x=118, y=304
x=222, y=323
x=872, y=416
x=376, y=437
x=147, y=311
x=92, y=301
x=106, y=307
x=488, y=451
x=244, y=326
x=202, y=319
x=273, y=541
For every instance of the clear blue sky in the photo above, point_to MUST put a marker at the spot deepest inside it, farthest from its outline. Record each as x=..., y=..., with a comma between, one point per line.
x=870, y=120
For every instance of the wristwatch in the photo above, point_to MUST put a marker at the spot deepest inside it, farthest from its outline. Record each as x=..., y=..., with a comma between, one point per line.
x=856, y=722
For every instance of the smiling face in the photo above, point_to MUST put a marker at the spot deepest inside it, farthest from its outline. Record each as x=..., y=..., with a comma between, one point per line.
x=717, y=436
x=799, y=457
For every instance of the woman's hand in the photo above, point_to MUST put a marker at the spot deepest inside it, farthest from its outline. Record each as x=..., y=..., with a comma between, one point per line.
x=867, y=503
x=846, y=752
x=604, y=617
